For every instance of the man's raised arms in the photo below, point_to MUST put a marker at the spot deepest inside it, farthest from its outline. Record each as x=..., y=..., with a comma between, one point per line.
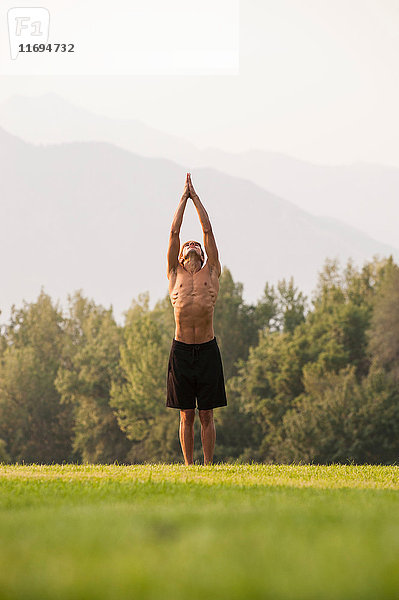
x=209, y=239
x=174, y=238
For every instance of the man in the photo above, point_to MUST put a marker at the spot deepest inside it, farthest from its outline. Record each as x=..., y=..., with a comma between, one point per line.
x=195, y=366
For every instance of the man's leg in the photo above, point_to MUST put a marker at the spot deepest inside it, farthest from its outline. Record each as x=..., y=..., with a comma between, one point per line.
x=186, y=433
x=208, y=435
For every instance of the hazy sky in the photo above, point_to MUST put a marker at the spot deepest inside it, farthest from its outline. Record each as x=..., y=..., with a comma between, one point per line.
x=318, y=80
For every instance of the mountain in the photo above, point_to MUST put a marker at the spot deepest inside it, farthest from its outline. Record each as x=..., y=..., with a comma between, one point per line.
x=94, y=216
x=49, y=119
x=361, y=195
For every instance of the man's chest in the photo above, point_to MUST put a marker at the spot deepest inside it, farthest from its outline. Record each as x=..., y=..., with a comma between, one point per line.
x=200, y=286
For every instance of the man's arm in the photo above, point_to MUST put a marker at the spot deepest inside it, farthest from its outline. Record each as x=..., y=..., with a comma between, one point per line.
x=174, y=238
x=209, y=239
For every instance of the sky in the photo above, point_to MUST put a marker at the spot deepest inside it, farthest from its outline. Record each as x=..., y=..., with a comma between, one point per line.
x=317, y=80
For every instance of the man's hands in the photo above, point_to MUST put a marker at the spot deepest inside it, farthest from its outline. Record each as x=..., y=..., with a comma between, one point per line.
x=192, y=191
x=189, y=191
x=174, y=238
x=186, y=191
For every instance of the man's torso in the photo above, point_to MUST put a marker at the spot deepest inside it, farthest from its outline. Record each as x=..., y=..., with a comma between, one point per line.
x=193, y=298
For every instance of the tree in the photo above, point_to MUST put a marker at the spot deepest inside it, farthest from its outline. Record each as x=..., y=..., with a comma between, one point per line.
x=337, y=326
x=324, y=342
x=90, y=361
x=384, y=328
x=3, y=339
x=163, y=315
x=291, y=306
x=282, y=309
x=236, y=327
x=138, y=396
x=339, y=419
x=4, y=456
x=269, y=381
x=238, y=432
x=34, y=424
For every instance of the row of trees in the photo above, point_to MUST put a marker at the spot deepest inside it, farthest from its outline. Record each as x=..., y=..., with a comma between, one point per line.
x=306, y=380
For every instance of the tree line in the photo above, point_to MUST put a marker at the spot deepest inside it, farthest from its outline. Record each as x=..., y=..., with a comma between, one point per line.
x=307, y=380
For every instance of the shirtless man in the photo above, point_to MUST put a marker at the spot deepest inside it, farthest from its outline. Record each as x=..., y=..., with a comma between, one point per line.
x=195, y=366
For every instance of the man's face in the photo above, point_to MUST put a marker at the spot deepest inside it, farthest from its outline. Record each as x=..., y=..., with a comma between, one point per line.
x=191, y=246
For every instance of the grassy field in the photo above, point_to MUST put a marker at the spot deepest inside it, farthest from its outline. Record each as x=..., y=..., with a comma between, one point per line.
x=174, y=532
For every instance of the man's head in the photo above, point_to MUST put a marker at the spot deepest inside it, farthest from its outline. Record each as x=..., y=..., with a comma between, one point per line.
x=191, y=246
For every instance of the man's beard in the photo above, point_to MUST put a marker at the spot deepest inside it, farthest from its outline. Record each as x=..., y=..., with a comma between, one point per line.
x=187, y=256
x=191, y=251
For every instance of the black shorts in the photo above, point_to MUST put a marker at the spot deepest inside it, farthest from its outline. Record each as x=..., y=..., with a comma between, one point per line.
x=195, y=371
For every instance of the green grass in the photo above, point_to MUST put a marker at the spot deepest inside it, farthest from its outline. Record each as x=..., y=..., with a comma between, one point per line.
x=174, y=532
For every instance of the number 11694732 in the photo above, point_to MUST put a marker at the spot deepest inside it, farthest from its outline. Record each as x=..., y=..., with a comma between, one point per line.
x=46, y=47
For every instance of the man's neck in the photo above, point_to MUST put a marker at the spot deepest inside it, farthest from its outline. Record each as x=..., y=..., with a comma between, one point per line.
x=192, y=264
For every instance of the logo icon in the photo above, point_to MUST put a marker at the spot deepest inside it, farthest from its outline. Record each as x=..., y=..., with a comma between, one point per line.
x=27, y=25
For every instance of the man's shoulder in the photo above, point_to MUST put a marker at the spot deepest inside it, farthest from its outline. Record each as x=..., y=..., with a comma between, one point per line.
x=175, y=271
x=214, y=270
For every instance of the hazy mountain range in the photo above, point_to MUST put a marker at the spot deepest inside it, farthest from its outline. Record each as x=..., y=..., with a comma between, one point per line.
x=364, y=196
x=92, y=215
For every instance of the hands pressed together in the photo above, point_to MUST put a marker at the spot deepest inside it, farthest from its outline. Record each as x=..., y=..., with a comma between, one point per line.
x=189, y=191
x=209, y=240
